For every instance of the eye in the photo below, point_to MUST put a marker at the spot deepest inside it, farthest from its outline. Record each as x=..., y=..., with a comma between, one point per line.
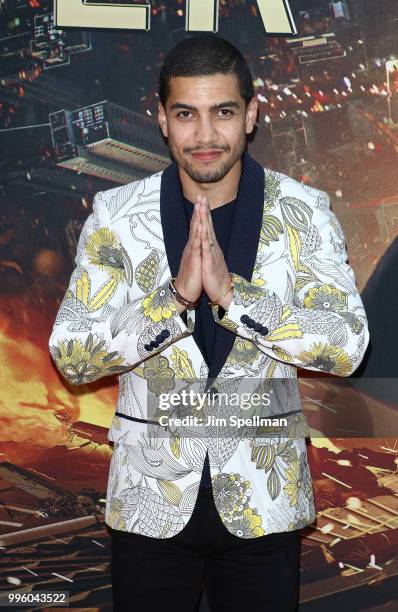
x=226, y=110
x=181, y=112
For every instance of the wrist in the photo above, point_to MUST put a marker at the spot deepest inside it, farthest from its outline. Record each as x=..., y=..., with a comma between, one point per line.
x=180, y=308
x=226, y=296
x=182, y=290
x=181, y=299
x=226, y=300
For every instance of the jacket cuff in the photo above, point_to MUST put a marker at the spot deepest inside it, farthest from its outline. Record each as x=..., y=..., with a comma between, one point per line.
x=164, y=325
x=237, y=316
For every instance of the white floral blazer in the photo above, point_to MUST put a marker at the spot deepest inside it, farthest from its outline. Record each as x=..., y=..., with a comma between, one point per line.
x=295, y=304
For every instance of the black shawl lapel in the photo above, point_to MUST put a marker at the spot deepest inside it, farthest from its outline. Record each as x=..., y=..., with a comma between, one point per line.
x=243, y=243
x=242, y=247
x=172, y=217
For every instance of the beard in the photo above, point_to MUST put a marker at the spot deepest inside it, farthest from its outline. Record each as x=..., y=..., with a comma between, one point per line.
x=210, y=175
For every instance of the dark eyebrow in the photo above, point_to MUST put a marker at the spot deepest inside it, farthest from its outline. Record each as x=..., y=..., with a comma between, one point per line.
x=230, y=103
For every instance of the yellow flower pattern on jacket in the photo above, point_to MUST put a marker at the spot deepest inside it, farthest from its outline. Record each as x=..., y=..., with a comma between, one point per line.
x=104, y=251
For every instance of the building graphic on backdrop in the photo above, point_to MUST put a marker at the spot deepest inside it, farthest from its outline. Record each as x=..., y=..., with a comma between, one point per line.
x=30, y=43
x=108, y=141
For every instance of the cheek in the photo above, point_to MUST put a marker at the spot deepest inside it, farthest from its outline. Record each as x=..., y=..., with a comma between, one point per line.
x=180, y=137
x=233, y=129
x=233, y=134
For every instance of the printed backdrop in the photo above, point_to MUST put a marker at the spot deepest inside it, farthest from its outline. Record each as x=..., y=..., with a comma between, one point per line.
x=329, y=117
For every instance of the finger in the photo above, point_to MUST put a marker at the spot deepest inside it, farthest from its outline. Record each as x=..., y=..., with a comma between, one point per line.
x=210, y=222
x=206, y=248
x=195, y=214
x=207, y=218
x=195, y=221
x=203, y=211
x=196, y=240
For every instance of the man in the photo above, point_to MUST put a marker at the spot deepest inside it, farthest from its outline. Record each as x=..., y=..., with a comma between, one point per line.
x=269, y=255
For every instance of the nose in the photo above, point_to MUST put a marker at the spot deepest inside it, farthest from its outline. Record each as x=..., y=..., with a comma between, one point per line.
x=206, y=132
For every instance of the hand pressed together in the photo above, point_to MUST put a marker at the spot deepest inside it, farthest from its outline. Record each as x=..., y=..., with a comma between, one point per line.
x=203, y=266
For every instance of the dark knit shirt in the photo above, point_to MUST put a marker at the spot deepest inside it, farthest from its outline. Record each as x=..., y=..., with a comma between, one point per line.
x=205, y=325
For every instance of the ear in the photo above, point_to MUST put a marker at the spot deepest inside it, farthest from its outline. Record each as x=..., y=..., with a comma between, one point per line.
x=251, y=115
x=162, y=119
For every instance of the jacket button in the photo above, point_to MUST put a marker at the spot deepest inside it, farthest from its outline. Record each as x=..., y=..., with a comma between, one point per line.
x=159, y=338
x=165, y=333
x=147, y=347
x=153, y=344
x=264, y=331
x=251, y=323
x=244, y=318
x=258, y=327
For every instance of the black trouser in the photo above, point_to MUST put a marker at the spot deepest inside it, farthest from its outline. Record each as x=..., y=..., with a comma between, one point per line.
x=239, y=574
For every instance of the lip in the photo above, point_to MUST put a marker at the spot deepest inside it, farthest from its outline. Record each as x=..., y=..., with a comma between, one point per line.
x=206, y=155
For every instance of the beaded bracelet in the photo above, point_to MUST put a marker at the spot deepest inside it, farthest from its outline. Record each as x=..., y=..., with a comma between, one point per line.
x=231, y=284
x=189, y=305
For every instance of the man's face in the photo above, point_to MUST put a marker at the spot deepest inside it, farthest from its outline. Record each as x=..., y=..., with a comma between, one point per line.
x=206, y=122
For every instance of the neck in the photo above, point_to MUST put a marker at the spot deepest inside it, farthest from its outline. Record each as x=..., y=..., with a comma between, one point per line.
x=218, y=193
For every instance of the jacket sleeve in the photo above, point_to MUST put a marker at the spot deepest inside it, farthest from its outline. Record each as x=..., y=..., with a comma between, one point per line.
x=323, y=326
x=99, y=331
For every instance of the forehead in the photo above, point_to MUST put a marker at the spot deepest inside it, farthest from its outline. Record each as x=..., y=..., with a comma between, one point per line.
x=200, y=89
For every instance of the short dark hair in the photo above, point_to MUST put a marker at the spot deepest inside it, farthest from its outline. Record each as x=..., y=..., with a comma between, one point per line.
x=205, y=55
